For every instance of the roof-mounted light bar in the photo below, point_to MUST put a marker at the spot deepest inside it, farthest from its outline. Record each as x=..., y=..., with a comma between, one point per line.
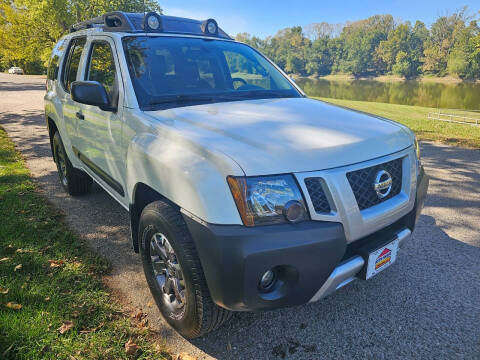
x=118, y=21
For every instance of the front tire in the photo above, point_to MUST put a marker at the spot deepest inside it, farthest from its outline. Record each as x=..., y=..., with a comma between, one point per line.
x=174, y=273
x=74, y=181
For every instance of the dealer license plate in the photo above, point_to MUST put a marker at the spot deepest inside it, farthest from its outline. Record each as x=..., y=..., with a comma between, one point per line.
x=381, y=258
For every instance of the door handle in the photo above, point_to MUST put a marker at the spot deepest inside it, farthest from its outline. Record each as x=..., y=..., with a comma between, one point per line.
x=79, y=115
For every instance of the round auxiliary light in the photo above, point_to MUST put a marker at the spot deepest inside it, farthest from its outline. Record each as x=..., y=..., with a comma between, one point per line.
x=210, y=27
x=152, y=22
x=267, y=279
x=294, y=211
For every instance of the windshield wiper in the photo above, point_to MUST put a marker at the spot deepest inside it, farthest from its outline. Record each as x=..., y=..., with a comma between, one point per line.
x=185, y=99
x=181, y=99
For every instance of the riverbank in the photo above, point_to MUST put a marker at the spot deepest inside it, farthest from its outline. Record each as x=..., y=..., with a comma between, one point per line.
x=389, y=78
x=416, y=118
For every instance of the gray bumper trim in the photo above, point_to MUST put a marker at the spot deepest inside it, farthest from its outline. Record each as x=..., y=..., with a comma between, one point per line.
x=346, y=271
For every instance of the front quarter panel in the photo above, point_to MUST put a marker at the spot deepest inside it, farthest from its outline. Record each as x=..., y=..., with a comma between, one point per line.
x=186, y=173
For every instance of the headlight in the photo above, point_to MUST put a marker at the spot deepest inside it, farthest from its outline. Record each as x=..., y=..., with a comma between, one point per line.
x=268, y=200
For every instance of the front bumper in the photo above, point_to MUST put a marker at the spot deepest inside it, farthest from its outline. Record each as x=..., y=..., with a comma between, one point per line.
x=312, y=259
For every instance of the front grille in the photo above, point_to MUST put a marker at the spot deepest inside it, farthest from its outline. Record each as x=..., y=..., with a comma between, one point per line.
x=317, y=195
x=362, y=183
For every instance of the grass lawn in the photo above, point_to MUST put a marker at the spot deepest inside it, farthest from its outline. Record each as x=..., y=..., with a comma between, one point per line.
x=53, y=304
x=415, y=117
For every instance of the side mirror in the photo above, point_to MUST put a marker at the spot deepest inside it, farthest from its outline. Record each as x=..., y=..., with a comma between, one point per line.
x=91, y=93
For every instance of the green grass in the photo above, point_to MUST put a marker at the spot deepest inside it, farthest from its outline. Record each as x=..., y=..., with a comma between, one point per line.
x=59, y=280
x=415, y=117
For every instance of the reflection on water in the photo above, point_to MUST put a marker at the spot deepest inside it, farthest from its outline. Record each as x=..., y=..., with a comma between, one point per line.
x=450, y=96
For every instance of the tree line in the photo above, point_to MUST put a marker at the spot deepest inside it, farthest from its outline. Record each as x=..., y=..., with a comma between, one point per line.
x=375, y=46
x=30, y=28
x=379, y=45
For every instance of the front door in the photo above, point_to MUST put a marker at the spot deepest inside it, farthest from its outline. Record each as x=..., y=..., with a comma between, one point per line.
x=99, y=131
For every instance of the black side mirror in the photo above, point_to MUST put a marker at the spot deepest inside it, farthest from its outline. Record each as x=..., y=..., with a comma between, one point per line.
x=91, y=93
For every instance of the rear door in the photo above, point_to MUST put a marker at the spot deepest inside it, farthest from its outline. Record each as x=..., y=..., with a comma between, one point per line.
x=70, y=108
x=99, y=131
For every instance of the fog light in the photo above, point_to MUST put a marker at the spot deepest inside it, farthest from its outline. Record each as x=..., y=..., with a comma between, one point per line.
x=294, y=211
x=268, y=279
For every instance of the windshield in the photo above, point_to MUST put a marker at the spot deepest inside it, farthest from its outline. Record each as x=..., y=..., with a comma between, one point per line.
x=172, y=71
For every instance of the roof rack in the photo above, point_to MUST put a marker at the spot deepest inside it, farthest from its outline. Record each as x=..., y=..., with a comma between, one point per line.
x=119, y=21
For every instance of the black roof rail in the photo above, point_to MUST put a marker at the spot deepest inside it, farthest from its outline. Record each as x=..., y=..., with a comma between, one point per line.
x=119, y=21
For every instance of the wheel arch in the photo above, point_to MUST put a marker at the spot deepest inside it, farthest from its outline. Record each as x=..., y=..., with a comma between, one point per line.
x=52, y=129
x=142, y=195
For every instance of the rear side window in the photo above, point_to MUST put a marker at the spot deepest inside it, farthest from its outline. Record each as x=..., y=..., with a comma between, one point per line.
x=57, y=52
x=71, y=68
x=101, y=67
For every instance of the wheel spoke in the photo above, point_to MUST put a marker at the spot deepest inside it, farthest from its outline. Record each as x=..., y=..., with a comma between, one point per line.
x=167, y=270
x=158, y=266
x=159, y=250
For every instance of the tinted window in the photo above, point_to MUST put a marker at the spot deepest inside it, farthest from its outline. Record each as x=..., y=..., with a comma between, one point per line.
x=169, y=72
x=57, y=52
x=71, y=69
x=102, y=67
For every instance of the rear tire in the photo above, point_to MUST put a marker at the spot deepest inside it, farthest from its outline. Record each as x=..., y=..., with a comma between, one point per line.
x=185, y=301
x=75, y=182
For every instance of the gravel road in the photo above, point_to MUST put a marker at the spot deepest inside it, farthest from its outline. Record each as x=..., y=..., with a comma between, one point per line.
x=426, y=306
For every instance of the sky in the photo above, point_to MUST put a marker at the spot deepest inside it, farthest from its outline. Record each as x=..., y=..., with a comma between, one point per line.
x=265, y=17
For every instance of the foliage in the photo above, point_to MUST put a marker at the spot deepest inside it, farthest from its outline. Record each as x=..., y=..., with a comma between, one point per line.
x=53, y=304
x=30, y=28
x=378, y=45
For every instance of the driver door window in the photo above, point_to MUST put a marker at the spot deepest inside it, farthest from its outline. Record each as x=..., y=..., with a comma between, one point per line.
x=101, y=68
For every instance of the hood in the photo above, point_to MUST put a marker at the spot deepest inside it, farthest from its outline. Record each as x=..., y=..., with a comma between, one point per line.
x=277, y=136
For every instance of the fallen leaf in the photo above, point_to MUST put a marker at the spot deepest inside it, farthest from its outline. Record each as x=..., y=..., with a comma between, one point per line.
x=47, y=298
x=24, y=285
x=14, y=306
x=18, y=267
x=67, y=325
x=143, y=323
x=92, y=329
x=4, y=259
x=139, y=314
x=56, y=263
x=150, y=304
x=185, y=356
x=3, y=290
x=75, y=313
x=24, y=251
x=130, y=347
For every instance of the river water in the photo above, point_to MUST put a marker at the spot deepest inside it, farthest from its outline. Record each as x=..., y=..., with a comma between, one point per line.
x=437, y=95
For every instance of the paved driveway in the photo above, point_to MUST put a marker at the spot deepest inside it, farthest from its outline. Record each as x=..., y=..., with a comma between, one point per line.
x=426, y=306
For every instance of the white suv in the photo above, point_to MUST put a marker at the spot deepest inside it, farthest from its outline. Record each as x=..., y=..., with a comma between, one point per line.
x=243, y=193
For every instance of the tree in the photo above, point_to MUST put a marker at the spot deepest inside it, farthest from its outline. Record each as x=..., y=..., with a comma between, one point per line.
x=401, y=53
x=443, y=36
x=463, y=60
x=30, y=28
x=360, y=40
